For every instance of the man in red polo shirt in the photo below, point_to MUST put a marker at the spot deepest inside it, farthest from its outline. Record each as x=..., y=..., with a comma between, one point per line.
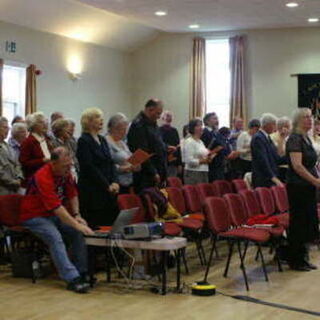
x=44, y=212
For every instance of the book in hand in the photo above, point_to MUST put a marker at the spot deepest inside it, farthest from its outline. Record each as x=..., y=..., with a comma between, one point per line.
x=139, y=157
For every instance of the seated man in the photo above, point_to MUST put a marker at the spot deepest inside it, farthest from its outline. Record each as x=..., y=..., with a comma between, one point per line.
x=43, y=211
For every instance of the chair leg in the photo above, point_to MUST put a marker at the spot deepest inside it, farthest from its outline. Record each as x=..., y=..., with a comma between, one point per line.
x=277, y=258
x=263, y=263
x=204, y=258
x=199, y=252
x=231, y=245
x=210, y=260
x=184, y=260
x=242, y=265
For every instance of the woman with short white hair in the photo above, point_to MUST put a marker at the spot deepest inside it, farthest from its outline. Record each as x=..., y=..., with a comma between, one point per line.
x=97, y=182
x=117, y=130
x=280, y=137
x=19, y=133
x=36, y=148
x=302, y=182
x=61, y=138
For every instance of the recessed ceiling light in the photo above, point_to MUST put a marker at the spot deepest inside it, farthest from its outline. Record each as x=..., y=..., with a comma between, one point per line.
x=194, y=26
x=313, y=20
x=160, y=13
x=292, y=4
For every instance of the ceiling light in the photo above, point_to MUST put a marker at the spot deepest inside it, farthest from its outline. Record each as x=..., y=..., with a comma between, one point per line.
x=312, y=20
x=194, y=26
x=160, y=13
x=292, y=4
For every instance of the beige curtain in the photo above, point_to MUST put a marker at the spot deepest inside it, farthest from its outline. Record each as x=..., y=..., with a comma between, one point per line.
x=1, y=74
x=238, y=106
x=198, y=106
x=31, y=89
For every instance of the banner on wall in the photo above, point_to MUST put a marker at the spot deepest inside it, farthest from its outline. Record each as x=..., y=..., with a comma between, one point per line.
x=309, y=92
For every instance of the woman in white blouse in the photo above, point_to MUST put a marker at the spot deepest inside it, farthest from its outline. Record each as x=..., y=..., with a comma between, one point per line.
x=196, y=155
x=244, y=146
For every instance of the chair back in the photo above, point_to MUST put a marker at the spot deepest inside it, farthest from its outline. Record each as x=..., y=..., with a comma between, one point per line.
x=266, y=200
x=237, y=209
x=280, y=198
x=206, y=190
x=176, y=198
x=10, y=210
x=217, y=214
x=128, y=201
x=174, y=182
x=239, y=185
x=251, y=202
x=223, y=187
x=192, y=199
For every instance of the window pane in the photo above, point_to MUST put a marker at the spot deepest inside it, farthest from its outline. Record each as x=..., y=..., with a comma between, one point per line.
x=218, y=79
x=14, y=86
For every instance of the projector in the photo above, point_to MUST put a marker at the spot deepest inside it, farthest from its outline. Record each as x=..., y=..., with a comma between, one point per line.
x=142, y=230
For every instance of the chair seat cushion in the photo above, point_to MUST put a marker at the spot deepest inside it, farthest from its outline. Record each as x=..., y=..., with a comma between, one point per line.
x=197, y=216
x=190, y=223
x=255, y=235
x=171, y=229
x=283, y=219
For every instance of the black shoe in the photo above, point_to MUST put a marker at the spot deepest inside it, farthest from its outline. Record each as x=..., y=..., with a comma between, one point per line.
x=299, y=267
x=85, y=278
x=310, y=265
x=78, y=286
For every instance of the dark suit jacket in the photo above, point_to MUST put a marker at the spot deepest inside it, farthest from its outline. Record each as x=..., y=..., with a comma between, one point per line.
x=144, y=134
x=97, y=172
x=265, y=160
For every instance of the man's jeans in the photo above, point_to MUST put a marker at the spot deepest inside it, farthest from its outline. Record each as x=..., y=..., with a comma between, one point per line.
x=52, y=232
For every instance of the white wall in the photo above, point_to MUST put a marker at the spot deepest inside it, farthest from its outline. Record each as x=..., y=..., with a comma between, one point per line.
x=104, y=80
x=162, y=68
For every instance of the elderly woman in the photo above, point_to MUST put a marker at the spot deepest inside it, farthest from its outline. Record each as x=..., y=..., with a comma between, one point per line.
x=280, y=137
x=36, y=148
x=10, y=171
x=302, y=181
x=243, y=146
x=117, y=129
x=196, y=155
x=61, y=137
x=97, y=182
x=19, y=133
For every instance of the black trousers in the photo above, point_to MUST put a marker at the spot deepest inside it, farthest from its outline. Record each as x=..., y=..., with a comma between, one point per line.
x=303, y=227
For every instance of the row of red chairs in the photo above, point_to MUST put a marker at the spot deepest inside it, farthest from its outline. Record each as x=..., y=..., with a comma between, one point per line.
x=220, y=187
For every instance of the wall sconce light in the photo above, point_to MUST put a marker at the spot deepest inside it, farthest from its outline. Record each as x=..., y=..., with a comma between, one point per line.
x=74, y=67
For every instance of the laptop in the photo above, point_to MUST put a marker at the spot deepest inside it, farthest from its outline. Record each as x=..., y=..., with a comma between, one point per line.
x=124, y=218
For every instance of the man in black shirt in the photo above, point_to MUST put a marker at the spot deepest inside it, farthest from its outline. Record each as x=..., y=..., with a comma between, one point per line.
x=144, y=134
x=170, y=137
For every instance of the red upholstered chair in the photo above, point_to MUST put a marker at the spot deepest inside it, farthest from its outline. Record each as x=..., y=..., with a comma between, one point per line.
x=223, y=187
x=176, y=198
x=128, y=201
x=174, y=182
x=239, y=214
x=219, y=222
x=239, y=185
x=193, y=202
x=251, y=202
x=282, y=205
x=268, y=205
x=206, y=190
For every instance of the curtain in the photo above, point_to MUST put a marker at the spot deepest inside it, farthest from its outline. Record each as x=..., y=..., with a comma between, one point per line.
x=198, y=106
x=31, y=89
x=238, y=106
x=1, y=74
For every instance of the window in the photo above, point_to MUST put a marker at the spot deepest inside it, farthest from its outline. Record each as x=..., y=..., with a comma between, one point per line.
x=218, y=79
x=14, y=87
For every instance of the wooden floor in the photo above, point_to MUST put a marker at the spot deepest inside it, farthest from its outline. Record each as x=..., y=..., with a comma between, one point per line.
x=48, y=300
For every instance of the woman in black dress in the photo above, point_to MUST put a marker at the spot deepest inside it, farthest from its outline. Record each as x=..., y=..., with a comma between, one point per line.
x=97, y=181
x=302, y=181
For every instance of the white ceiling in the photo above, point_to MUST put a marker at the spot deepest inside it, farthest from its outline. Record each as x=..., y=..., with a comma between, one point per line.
x=76, y=20
x=213, y=15
x=126, y=24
